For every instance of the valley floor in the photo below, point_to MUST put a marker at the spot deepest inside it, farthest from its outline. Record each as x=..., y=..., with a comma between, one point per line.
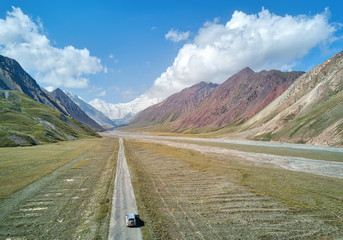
x=65, y=190
x=206, y=190
x=185, y=189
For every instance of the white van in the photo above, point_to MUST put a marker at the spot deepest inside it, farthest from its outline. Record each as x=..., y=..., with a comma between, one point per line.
x=131, y=220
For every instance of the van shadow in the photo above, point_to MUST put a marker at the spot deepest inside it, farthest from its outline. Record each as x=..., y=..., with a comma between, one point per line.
x=139, y=223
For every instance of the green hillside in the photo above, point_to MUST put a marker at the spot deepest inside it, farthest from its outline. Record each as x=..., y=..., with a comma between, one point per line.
x=25, y=122
x=304, y=128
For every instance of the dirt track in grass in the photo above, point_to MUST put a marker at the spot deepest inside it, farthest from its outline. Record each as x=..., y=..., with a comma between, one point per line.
x=70, y=202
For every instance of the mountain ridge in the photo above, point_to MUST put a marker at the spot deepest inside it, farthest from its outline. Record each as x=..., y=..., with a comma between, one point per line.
x=74, y=110
x=29, y=114
x=14, y=77
x=309, y=111
x=238, y=98
x=176, y=105
x=121, y=110
x=26, y=122
x=92, y=112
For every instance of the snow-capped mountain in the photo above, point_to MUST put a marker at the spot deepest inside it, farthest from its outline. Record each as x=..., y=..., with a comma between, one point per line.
x=92, y=112
x=124, y=110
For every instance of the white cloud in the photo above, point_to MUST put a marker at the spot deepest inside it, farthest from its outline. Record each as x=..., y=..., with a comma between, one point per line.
x=94, y=89
x=22, y=39
x=103, y=93
x=176, y=35
x=113, y=58
x=128, y=94
x=261, y=41
x=50, y=88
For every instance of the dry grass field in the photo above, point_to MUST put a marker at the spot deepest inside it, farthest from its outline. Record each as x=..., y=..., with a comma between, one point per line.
x=21, y=166
x=57, y=191
x=64, y=191
x=184, y=194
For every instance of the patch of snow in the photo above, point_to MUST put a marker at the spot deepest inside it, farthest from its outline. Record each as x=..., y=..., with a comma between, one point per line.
x=120, y=110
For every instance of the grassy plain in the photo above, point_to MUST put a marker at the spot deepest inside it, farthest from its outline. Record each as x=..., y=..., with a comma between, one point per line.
x=70, y=192
x=183, y=194
x=21, y=166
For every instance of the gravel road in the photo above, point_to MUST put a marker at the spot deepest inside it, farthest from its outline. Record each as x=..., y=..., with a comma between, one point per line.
x=123, y=201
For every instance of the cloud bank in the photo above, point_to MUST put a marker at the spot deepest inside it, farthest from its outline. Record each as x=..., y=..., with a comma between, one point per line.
x=176, y=35
x=21, y=39
x=261, y=41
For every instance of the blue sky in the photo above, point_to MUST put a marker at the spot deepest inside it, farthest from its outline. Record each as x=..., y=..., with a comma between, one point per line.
x=128, y=51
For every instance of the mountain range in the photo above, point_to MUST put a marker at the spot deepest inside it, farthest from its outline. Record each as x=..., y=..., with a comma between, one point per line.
x=267, y=105
x=174, y=106
x=92, y=112
x=74, y=110
x=24, y=122
x=30, y=115
x=207, y=107
x=294, y=107
x=13, y=77
x=120, y=113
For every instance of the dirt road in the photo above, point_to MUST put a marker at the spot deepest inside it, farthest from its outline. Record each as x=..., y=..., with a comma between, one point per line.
x=123, y=201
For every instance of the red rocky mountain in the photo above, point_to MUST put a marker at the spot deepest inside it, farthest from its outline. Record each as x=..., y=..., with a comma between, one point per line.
x=174, y=106
x=237, y=99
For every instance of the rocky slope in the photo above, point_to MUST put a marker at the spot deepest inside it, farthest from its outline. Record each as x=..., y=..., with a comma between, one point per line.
x=174, y=106
x=13, y=77
x=74, y=110
x=310, y=111
x=92, y=112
